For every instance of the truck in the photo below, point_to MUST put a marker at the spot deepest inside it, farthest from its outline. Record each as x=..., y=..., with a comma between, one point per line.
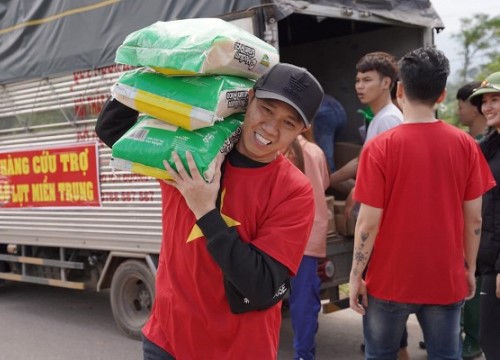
x=67, y=219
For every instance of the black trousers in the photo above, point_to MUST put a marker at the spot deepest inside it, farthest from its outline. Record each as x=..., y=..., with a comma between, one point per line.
x=489, y=327
x=151, y=351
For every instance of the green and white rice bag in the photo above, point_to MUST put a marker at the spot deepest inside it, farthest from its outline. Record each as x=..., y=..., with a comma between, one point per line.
x=198, y=46
x=191, y=102
x=143, y=147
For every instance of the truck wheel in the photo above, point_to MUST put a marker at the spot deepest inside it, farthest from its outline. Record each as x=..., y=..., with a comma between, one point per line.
x=132, y=293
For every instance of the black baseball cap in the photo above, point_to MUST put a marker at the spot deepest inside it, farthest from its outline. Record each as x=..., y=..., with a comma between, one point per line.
x=293, y=85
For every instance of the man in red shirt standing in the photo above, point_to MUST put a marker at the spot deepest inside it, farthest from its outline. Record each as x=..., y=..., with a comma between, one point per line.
x=230, y=246
x=420, y=186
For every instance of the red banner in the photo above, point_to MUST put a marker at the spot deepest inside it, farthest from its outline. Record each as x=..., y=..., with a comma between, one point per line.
x=50, y=177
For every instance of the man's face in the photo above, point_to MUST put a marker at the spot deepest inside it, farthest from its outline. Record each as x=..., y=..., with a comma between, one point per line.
x=466, y=112
x=370, y=86
x=270, y=126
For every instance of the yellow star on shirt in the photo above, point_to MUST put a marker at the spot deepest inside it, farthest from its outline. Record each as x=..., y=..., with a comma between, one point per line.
x=196, y=231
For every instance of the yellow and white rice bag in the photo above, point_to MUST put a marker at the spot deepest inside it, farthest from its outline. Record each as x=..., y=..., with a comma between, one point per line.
x=190, y=102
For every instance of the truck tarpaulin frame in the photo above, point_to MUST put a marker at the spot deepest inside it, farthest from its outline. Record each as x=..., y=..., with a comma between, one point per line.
x=410, y=12
x=41, y=38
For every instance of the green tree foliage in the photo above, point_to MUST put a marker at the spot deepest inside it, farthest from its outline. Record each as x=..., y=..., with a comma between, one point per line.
x=493, y=55
x=491, y=67
x=479, y=40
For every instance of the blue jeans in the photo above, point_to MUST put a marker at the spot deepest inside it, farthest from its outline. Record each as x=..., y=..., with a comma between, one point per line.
x=305, y=305
x=385, y=322
x=151, y=351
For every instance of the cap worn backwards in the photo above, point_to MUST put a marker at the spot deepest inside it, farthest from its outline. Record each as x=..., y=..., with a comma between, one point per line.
x=293, y=85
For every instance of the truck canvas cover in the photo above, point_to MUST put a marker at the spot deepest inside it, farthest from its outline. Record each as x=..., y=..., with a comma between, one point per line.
x=40, y=38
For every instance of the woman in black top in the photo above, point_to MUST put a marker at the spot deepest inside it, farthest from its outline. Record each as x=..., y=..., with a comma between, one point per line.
x=487, y=99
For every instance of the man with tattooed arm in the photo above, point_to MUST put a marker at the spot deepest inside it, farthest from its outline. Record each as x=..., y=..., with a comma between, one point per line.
x=420, y=186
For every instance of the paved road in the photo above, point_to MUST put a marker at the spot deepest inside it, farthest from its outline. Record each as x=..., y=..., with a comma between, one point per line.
x=44, y=323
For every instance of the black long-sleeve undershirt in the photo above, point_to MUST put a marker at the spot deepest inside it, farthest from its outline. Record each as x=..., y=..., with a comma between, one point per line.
x=254, y=274
x=114, y=120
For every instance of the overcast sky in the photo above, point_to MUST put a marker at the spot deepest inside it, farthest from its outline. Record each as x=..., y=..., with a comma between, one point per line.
x=451, y=11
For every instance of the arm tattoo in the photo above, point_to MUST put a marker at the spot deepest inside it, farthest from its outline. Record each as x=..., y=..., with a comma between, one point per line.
x=360, y=257
x=477, y=232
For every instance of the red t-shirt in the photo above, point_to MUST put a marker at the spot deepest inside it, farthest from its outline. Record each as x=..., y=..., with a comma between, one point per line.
x=272, y=207
x=420, y=174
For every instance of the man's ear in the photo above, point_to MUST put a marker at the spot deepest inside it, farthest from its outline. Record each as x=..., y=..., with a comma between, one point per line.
x=441, y=97
x=251, y=94
x=399, y=90
x=386, y=82
x=305, y=128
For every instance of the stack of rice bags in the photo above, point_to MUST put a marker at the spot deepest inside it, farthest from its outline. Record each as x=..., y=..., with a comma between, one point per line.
x=192, y=84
